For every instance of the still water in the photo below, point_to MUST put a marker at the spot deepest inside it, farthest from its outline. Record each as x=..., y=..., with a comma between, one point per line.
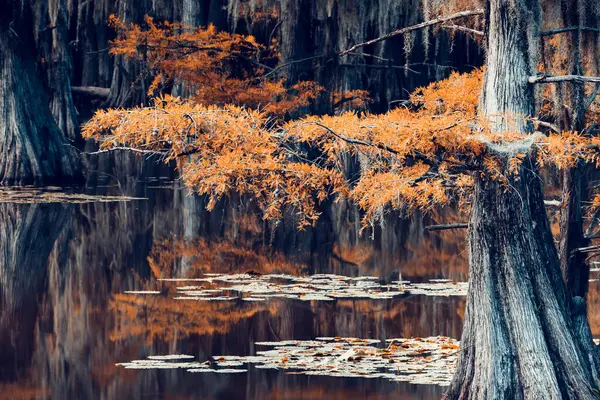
x=66, y=319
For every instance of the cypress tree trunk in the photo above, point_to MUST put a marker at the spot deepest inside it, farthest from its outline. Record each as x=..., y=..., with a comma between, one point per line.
x=575, y=270
x=32, y=147
x=518, y=340
x=572, y=117
x=53, y=42
x=573, y=263
x=128, y=86
x=90, y=35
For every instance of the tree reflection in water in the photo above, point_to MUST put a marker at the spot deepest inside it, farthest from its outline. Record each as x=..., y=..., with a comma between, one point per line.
x=66, y=321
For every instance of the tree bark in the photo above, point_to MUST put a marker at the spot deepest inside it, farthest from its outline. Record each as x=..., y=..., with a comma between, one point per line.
x=575, y=270
x=52, y=41
x=128, y=86
x=32, y=147
x=573, y=263
x=518, y=340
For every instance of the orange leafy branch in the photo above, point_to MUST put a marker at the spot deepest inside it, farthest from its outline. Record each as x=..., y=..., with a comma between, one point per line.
x=218, y=68
x=412, y=158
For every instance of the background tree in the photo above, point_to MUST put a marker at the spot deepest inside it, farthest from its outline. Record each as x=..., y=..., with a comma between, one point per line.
x=569, y=46
x=32, y=145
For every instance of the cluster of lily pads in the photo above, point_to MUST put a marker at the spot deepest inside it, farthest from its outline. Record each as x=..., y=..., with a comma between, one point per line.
x=429, y=360
x=322, y=287
x=50, y=194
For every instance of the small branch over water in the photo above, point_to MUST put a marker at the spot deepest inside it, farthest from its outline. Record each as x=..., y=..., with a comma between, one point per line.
x=544, y=78
x=432, y=228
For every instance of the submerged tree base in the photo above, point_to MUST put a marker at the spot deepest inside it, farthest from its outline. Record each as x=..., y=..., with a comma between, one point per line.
x=518, y=340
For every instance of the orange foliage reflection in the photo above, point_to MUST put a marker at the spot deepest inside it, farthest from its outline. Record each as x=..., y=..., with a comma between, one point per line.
x=202, y=256
x=161, y=317
x=164, y=318
x=22, y=391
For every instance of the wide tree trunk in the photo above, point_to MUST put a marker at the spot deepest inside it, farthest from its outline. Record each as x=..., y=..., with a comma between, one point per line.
x=518, y=340
x=32, y=147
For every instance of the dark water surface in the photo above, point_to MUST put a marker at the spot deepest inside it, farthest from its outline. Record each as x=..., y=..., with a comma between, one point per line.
x=65, y=320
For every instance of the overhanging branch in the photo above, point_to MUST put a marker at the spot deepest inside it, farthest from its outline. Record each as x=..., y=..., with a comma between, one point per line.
x=432, y=228
x=91, y=91
x=547, y=125
x=464, y=29
x=588, y=249
x=356, y=141
x=569, y=29
x=542, y=78
x=411, y=28
x=413, y=155
x=132, y=149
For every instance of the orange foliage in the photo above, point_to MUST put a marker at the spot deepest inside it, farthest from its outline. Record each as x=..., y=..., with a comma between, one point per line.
x=219, y=149
x=220, y=256
x=220, y=67
x=350, y=99
x=163, y=318
x=411, y=158
x=22, y=391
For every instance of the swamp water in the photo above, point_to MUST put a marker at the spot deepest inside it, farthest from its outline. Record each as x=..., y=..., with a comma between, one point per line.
x=150, y=296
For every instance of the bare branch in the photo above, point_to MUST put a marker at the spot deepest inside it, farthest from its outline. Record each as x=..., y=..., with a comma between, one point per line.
x=569, y=29
x=592, y=97
x=104, y=50
x=91, y=91
x=592, y=129
x=397, y=32
x=464, y=29
x=464, y=225
x=379, y=66
x=553, y=203
x=547, y=125
x=543, y=78
x=432, y=228
x=407, y=29
x=371, y=55
x=287, y=64
x=588, y=249
x=151, y=152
